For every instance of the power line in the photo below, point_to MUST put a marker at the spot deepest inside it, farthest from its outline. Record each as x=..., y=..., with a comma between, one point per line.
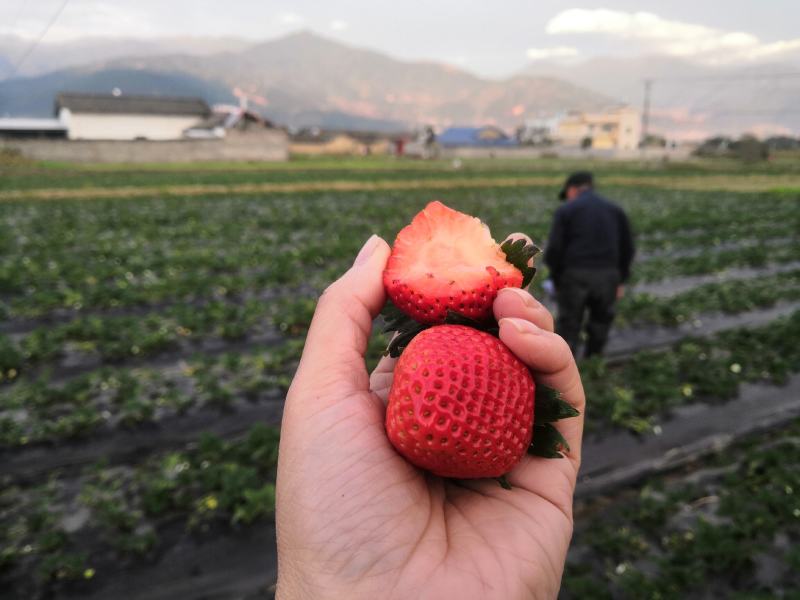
x=38, y=40
x=742, y=77
x=745, y=111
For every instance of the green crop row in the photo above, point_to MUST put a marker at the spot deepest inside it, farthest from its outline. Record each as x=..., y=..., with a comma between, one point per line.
x=21, y=176
x=111, y=254
x=63, y=531
x=633, y=395
x=663, y=267
x=121, y=397
x=638, y=393
x=388, y=171
x=115, y=339
x=210, y=276
x=732, y=533
x=731, y=297
x=678, y=216
x=112, y=398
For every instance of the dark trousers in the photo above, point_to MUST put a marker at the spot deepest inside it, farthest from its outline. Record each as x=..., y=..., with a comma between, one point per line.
x=582, y=290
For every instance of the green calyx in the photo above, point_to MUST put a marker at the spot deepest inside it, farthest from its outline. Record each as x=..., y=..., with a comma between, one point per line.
x=549, y=407
x=405, y=328
x=519, y=253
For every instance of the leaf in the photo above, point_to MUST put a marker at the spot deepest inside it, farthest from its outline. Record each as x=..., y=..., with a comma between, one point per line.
x=403, y=338
x=547, y=442
x=394, y=319
x=519, y=253
x=490, y=326
x=503, y=482
x=549, y=406
x=406, y=328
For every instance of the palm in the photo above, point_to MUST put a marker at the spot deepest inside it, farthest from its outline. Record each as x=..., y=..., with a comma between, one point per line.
x=423, y=535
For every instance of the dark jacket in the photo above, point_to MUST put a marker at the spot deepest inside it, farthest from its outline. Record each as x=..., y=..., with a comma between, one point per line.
x=589, y=232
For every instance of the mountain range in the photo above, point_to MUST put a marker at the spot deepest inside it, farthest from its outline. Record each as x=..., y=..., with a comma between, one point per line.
x=53, y=56
x=304, y=79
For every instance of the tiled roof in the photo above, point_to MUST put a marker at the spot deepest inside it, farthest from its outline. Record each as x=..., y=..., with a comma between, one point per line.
x=136, y=105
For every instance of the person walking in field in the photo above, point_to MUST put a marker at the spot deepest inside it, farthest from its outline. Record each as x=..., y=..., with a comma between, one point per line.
x=589, y=253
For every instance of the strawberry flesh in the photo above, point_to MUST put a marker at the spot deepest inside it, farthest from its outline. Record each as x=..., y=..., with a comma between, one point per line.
x=447, y=260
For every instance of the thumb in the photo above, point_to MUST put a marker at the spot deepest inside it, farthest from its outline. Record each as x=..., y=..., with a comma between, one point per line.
x=333, y=355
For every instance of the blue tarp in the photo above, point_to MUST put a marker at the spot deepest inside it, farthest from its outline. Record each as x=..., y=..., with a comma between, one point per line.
x=471, y=136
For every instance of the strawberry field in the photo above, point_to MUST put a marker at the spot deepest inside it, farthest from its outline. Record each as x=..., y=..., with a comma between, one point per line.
x=147, y=342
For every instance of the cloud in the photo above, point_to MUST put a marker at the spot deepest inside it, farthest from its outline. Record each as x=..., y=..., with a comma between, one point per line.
x=290, y=18
x=339, y=25
x=553, y=52
x=676, y=38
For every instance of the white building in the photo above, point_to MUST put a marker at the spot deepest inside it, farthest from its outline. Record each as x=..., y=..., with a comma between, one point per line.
x=124, y=117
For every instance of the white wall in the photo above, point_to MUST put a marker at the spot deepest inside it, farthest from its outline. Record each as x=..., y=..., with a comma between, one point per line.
x=88, y=126
x=630, y=130
x=267, y=145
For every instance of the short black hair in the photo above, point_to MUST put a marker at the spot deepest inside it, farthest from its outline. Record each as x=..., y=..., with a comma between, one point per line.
x=576, y=179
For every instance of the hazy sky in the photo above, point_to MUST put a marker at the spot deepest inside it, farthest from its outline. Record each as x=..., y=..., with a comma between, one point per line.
x=491, y=38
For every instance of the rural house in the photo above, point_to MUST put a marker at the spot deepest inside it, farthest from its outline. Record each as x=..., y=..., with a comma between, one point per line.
x=124, y=117
x=615, y=129
x=144, y=129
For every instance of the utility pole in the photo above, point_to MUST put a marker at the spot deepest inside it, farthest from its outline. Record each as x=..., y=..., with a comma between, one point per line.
x=648, y=86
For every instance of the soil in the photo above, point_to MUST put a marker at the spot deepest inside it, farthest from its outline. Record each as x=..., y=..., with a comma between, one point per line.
x=676, y=285
x=623, y=459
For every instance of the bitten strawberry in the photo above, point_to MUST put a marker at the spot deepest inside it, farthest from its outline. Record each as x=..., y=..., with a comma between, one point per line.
x=461, y=404
x=446, y=260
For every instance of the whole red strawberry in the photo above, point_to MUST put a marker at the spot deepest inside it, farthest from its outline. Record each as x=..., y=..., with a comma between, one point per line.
x=461, y=404
x=446, y=260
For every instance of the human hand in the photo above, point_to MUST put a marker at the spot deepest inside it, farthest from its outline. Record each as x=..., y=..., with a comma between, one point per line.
x=355, y=520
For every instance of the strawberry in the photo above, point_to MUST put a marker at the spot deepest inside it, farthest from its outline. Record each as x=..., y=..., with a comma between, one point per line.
x=447, y=261
x=461, y=404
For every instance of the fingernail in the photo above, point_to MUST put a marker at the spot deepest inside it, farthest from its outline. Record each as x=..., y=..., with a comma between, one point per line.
x=521, y=325
x=366, y=250
x=526, y=298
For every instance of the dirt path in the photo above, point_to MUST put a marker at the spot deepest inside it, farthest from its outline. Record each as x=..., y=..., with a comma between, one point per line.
x=623, y=459
x=733, y=183
x=670, y=286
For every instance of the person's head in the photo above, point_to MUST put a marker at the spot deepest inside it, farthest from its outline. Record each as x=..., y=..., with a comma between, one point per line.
x=575, y=185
